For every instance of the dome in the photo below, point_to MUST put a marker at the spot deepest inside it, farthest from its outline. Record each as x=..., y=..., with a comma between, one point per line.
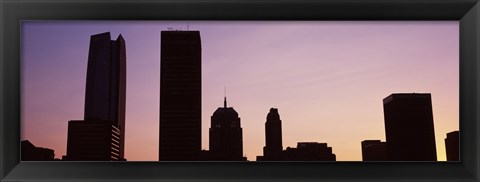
x=225, y=117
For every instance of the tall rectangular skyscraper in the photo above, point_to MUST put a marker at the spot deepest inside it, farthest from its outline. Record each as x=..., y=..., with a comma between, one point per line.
x=180, y=96
x=104, y=103
x=409, y=127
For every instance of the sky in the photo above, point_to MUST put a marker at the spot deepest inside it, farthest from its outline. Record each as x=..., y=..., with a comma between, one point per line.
x=327, y=78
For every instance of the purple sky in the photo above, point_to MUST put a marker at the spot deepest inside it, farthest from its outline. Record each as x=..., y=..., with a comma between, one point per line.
x=326, y=78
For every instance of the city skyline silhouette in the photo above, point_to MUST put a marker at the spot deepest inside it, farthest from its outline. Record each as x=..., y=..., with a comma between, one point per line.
x=308, y=95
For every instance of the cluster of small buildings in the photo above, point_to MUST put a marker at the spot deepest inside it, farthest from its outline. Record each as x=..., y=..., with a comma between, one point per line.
x=305, y=151
x=30, y=152
x=100, y=136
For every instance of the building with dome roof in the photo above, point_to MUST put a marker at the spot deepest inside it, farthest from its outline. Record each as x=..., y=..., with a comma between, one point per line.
x=225, y=139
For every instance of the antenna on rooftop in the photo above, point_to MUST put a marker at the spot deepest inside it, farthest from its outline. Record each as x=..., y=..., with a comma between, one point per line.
x=225, y=96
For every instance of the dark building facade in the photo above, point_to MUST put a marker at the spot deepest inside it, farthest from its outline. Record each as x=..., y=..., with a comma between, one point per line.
x=30, y=152
x=374, y=150
x=180, y=96
x=452, y=146
x=273, y=136
x=305, y=151
x=104, y=103
x=309, y=151
x=95, y=141
x=409, y=127
x=225, y=139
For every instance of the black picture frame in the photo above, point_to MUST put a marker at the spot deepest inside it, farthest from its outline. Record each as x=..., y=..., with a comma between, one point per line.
x=12, y=12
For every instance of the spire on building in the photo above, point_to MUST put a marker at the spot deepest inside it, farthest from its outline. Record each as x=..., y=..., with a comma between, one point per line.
x=225, y=97
x=225, y=139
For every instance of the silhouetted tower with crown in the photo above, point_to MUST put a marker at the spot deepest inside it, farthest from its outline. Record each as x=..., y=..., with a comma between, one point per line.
x=273, y=136
x=225, y=140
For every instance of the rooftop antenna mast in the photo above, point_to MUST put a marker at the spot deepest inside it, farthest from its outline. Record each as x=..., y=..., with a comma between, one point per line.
x=225, y=96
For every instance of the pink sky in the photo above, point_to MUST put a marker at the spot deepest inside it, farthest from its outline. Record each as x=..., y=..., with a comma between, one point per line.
x=326, y=78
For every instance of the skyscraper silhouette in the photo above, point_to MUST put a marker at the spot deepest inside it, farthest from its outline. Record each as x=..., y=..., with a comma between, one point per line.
x=452, y=146
x=273, y=136
x=101, y=135
x=409, y=127
x=180, y=96
x=225, y=139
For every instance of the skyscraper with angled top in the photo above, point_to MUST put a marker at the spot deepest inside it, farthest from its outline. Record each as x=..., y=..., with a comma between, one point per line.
x=101, y=135
x=180, y=96
x=106, y=80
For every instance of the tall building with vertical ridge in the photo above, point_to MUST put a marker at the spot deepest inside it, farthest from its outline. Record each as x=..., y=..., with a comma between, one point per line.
x=101, y=135
x=225, y=139
x=180, y=96
x=409, y=127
